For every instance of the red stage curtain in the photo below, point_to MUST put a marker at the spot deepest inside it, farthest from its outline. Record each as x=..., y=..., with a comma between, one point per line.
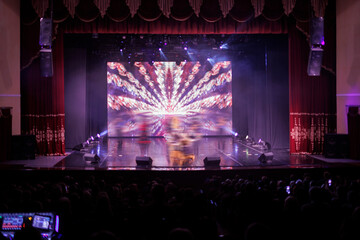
x=312, y=99
x=42, y=104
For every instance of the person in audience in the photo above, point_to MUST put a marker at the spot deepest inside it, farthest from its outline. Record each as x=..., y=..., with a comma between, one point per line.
x=97, y=206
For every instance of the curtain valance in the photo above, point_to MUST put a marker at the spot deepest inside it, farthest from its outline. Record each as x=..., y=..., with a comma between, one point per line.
x=179, y=10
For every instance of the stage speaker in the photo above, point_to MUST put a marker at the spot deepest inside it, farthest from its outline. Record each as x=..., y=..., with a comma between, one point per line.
x=336, y=145
x=268, y=156
x=353, y=111
x=353, y=121
x=46, y=64
x=5, y=133
x=45, y=37
x=89, y=157
x=212, y=161
x=143, y=161
x=317, y=31
x=315, y=61
x=23, y=147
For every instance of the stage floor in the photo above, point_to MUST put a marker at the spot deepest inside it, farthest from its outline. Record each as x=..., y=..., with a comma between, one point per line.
x=121, y=154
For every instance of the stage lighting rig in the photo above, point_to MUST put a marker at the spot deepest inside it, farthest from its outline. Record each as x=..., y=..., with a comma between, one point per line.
x=97, y=138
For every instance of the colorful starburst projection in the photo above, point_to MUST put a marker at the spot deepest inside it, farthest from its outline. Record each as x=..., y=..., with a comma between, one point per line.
x=194, y=93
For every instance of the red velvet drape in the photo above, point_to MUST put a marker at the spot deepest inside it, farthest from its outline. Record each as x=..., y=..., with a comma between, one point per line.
x=42, y=103
x=312, y=99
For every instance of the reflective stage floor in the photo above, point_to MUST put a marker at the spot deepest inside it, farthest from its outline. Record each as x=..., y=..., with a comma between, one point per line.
x=121, y=154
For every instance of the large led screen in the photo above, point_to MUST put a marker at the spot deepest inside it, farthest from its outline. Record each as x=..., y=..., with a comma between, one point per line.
x=187, y=95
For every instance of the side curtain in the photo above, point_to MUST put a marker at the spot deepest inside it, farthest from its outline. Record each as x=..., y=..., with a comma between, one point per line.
x=42, y=103
x=312, y=99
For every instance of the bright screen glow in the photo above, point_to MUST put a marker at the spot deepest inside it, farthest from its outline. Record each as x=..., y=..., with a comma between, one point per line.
x=196, y=95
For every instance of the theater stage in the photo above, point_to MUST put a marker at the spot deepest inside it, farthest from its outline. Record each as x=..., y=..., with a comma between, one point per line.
x=121, y=154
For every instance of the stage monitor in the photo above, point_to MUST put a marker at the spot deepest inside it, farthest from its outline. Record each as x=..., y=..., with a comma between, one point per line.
x=212, y=161
x=185, y=96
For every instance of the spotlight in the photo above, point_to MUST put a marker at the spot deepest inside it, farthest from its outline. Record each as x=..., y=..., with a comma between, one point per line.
x=185, y=48
x=211, y=61
x=235, y=134
x=160, y=49
x=224, y=46
x=97, y=138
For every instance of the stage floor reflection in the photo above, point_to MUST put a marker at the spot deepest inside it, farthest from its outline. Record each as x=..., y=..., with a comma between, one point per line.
x=121, y=153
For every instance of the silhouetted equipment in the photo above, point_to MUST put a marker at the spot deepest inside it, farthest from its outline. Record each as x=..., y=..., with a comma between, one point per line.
x=212, y=161
x=46, y=63
x=89, y=157
x=315, y=61
x=317, y=31
x=316, y=43
x=336, y=145
x=353, y=117
x=45, y=37
x=143, y=161
x=78, y=147
x=264, y=157
x=5, y=133
x=23, y=147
